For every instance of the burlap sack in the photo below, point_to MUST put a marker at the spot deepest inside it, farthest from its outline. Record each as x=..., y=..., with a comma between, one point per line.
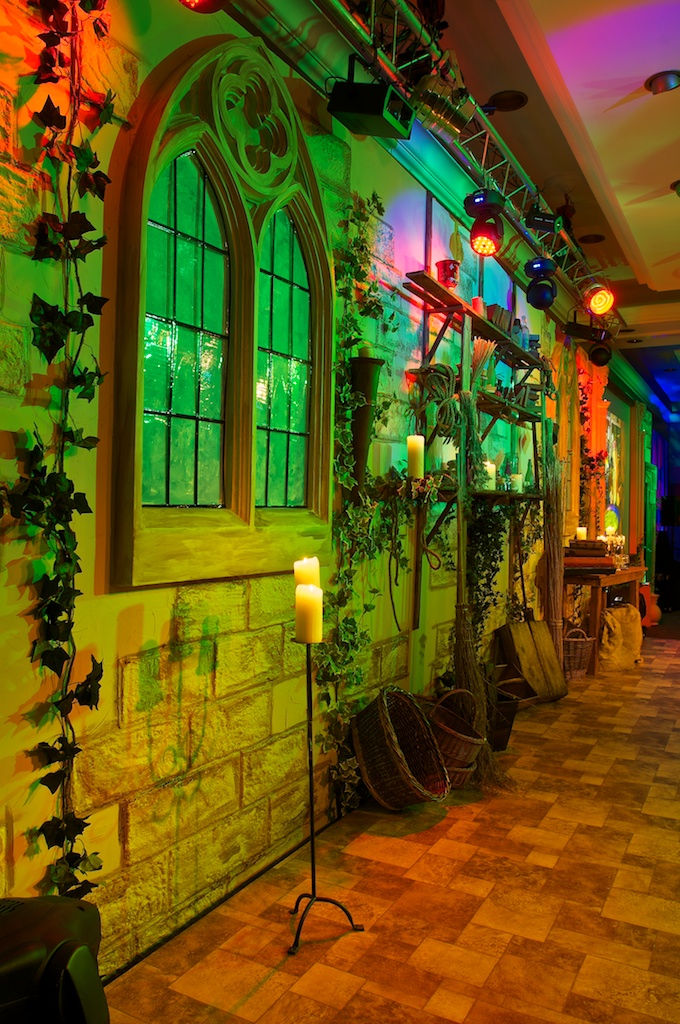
x=621, y=641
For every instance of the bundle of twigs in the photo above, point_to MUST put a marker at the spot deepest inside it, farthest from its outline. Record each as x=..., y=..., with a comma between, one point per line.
x=553, y=514
x=487, y=774
x=482, y=351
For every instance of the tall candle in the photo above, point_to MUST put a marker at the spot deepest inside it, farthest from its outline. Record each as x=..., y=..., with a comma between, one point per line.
x=581, y=533
x=516, y=482
x=308, y=614
x=610, y=530
x=415, y=448
x=478, y=305
x=490, y=482
x=307, y=571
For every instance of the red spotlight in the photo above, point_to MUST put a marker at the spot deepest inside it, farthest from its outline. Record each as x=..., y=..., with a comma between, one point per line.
x=204, y=6
x=598, y=299
x=486, y=236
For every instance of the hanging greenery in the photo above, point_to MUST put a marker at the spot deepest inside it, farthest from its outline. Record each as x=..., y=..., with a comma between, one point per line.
x=44, y=499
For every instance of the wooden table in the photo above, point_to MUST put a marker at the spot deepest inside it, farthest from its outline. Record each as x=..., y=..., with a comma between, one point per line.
x=598, y=583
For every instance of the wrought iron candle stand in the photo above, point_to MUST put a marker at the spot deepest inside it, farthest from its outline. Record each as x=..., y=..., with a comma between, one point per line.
x=312, y=896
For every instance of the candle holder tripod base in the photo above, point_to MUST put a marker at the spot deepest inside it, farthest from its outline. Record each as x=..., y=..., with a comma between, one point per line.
x=312, y=896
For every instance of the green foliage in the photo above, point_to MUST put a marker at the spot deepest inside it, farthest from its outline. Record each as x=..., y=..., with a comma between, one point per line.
x=486, y=535
x=44, y=499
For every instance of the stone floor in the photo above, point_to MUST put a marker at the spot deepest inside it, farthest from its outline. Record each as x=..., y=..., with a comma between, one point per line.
x=556, y=902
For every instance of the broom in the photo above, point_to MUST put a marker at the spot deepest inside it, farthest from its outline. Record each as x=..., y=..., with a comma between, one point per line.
x=554, y=551
x=487, y=774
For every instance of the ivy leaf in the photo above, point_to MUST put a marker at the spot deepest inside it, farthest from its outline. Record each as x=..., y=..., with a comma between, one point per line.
x=69, y=749
x=79, y=321
x=90, y=862
x=51, y=40
x=80, y=503
x=93, y=303
x=65, y=704
x=53, y=780
x=95, y=184
x=85, y=157
x=75, y=437
x=76, y=226
x=87, y=692
x=74, y=826
x=54, y=658
x=46, y=753
x=46, y=246
x=50, y=330
x=61, y=873
x=52, y=832
x=85, y=247
x=50, y=115
x=86, y=381
x=83, y=888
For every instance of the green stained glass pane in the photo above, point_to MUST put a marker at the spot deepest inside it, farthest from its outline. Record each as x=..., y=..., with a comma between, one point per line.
x=182, y=461
x=297, y=471
x=213, y=292
x=157, y=361
x=300, y=323
x=211, y=377
x=282, y=244
x=299, y=389
x=189, y=267
x=189, y=197
x=185, y=373
x=299, y=268
x=281, y=341
x=262, y=449
x=162, y=205
x=262, y=389
x=267, y=257
x=280, y=393
x=154, y=459
x=213, y=230
x=209, y=467
x=264, y=326
x=160, y=272
x=278, y=460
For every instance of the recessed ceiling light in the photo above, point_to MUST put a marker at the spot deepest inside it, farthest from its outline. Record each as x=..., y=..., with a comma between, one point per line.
x=663, y=81
x=634, y=341
x=675, y=187
x=591, y=239
x=506, y=101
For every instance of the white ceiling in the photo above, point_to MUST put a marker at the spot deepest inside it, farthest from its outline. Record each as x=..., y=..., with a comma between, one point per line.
x=591, y=129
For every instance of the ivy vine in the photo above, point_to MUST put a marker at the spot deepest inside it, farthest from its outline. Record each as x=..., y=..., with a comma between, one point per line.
x=44, y=499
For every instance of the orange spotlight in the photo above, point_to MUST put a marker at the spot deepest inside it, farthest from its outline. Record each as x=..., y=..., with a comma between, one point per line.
x=598, y=299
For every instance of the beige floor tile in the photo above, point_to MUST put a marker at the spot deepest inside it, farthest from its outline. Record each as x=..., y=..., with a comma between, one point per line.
x=542, y=859
x=656, y=995
x=642, y=909
x=451, y=961
x=234, y=984
x=449, y=1005
x=517, y=976
x=660, y=808
x=519, y=912
x=634, y=879
x=328, y=985
x=541, y=837
x=386, y=850
x=598, y=945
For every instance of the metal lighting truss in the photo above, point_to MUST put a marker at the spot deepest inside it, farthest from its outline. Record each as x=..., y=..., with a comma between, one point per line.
x=399, y=48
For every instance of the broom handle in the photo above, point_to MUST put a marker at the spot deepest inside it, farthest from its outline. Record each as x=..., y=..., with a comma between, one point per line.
x=462, y=464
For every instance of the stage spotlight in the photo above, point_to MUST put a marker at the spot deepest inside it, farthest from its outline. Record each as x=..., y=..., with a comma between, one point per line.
x=543, y=221
x=486, y=233
x=600, y=351
x=204, y=6
x=542, y=290
x=598, y=299
x=372, y=108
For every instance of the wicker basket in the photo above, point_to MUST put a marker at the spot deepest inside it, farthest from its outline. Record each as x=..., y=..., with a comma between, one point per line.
x=458, y=741
x=400, y=761
x=577, y=650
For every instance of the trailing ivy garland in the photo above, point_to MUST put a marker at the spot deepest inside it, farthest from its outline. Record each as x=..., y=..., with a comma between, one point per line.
x=44, y=498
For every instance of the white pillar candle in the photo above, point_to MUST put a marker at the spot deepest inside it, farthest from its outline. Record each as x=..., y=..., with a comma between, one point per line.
x=581, y=533
x=307, y=571
x=308, y=614
x=415, y=448
x=516, y=482
x=610, y=530
x=490, y=482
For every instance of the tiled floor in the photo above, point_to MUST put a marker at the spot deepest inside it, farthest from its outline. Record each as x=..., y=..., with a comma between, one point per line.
x=556, y=902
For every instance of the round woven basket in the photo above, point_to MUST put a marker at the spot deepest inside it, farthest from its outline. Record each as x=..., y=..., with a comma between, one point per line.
x=577, y=646
x=458, y=741
x=400, y=761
